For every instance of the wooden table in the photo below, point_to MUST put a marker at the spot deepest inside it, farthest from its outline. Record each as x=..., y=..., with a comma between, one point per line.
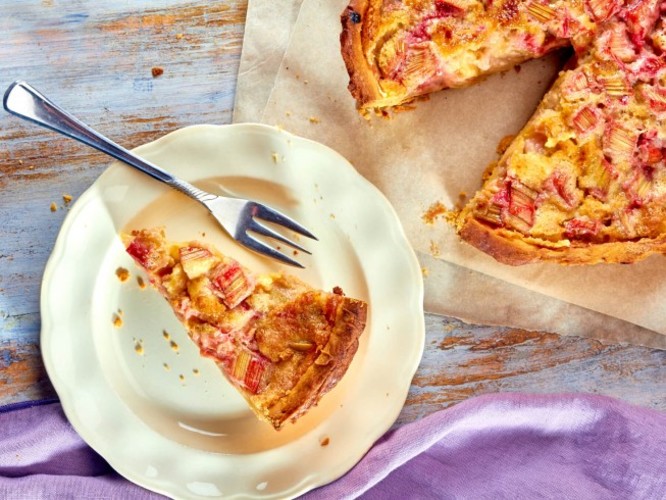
x=102, y=61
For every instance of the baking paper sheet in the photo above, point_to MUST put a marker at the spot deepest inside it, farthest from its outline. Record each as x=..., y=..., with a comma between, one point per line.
x=268, y=28
x=433, y=154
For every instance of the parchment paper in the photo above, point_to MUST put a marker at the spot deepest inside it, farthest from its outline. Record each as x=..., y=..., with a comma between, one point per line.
x=268, y=28
x=434, y=153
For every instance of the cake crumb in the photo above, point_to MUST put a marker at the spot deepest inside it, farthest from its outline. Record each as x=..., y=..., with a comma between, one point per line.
x=196, y=371
x=138, y=347
x=166, y=335
x=140, y=282
x=434, y=249
x=67, y=198
x=436, y=210
x=179, y=36
x=276, y=157
x=117, y=320
x=156, y=71
x=53, y=206
x=166, y=366
x=325, y=441
x=123, y=274
x=174, y=346
x=314, y=119
x=425, y=271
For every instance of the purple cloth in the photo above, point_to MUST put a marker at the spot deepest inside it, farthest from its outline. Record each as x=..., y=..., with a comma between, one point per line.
x=510, y=446
x=517, y=446
x=42, y=457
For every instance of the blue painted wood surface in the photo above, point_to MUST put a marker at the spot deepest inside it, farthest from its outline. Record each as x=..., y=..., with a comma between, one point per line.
x=96, y=59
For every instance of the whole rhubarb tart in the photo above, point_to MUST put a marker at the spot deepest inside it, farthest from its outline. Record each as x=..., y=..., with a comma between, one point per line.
x=584, y=181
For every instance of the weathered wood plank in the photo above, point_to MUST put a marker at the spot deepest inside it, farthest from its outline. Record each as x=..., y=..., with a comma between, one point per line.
x=461, y=361
x=22, y=374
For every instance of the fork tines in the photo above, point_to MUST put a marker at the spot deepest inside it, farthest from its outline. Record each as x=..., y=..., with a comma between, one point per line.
x=262, y=212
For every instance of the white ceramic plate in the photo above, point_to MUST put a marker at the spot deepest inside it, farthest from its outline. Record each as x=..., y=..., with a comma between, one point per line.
x=140, y=394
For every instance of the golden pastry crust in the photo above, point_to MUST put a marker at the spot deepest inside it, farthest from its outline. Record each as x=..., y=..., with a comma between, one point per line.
x=318, y=369
x=280, y=342
x=512, y=250
x=363, y=84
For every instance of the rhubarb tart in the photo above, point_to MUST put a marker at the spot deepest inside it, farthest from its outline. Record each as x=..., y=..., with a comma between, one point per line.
x=585, y=180
x=280, y=342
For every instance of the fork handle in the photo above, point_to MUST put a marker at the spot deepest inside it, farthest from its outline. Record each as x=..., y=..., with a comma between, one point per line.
x=24, y=101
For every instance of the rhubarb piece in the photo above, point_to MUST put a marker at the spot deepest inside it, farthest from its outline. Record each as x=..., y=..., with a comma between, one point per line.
x=619, y=47
x=586, y=120
x=615, y=85
x=520, y=207
x=540, y=11
x=195, y=261
x=250, y=370
x=561, y=189
x=597, y=179
x=602, y=10
x=655, y=97
x=281, y=343
x=619, y=144
x=489, y=212
x=231, y=283
x=576, y=86
x=582, y=228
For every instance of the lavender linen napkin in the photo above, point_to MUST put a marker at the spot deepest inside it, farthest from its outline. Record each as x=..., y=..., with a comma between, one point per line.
x=491, y=447
x=517, y=446
x=42, y=457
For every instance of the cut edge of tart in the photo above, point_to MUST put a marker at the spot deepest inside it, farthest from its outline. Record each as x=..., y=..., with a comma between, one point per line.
x=280, y=342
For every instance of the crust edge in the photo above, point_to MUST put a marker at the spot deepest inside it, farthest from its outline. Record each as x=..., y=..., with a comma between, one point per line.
x=517, y=252
x=363, y=85
x=319, y=379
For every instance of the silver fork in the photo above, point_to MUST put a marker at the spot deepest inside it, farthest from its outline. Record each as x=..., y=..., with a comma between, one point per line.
x=239, y=217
